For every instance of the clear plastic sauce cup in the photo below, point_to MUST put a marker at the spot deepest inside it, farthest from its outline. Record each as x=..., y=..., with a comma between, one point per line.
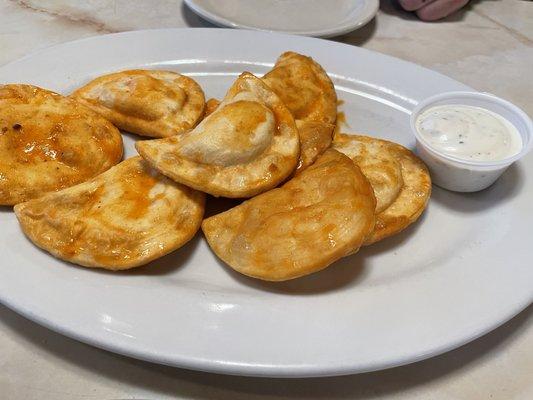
x=461, y=175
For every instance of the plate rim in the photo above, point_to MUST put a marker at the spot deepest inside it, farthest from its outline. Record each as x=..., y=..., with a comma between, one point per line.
x=371, y=9
x=246, y=370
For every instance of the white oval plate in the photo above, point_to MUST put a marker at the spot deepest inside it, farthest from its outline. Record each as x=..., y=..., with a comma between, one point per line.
x=461, y=271
x=302, y=17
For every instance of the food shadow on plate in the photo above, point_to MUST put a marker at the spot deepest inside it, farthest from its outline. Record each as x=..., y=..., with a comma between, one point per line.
x=217, y=205
x=508, y=186
x=391, y=243
x=344, y=272
x=165, y=265
x=6, y=210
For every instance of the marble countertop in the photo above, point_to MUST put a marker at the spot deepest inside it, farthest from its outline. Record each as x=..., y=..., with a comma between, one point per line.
x=488, y=45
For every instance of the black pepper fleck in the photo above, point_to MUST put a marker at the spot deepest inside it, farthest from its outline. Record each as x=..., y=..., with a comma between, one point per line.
x=17, y=127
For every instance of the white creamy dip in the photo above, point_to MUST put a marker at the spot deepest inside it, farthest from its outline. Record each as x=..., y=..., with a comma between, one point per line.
x=469, y=133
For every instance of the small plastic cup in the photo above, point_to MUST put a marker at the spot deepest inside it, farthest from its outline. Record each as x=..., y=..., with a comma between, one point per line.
x=460, y=175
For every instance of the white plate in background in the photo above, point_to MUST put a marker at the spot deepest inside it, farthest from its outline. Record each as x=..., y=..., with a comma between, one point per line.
x=318, y=18
x=462, y=270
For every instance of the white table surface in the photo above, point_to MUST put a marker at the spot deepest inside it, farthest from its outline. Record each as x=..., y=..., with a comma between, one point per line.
x=489, y=46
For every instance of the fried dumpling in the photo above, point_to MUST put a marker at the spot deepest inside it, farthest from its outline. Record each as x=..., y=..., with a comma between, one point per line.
x=307, y=91
x=319, y=216
x=248, y=145
x=123, y=218
x=49, y=142
x=378, y=161
x=304, y=87
x=146, y=102
x=400, y=180
x=315, y=137
x=411, y=201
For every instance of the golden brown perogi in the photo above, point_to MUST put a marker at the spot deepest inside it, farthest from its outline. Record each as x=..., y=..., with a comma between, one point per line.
x=146, y=102
x=307, y=91
x=378, y=161
x=400, y=180
x=123, y=218
x=49, y=142
x=315, y=137
x=304, y=87
x=248, y=145
x=322, y=214
x=411, y=201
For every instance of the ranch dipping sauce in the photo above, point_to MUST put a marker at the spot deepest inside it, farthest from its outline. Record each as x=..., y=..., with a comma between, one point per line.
x=468, y=139
x=469, y=133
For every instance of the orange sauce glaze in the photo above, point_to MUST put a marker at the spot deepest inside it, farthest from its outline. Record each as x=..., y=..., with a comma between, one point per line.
x=29, y=144
x=136, y=186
